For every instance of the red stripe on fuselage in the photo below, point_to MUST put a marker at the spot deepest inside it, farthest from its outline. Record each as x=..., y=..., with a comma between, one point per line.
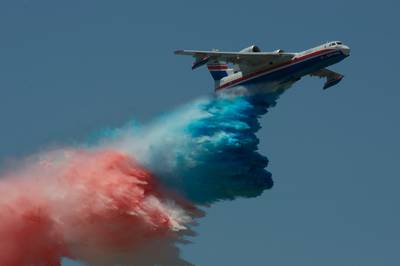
x=217, y=67
x=291, y=62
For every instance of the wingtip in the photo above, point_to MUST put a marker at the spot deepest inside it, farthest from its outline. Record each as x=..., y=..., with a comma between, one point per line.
x=178, y=51
x=333, y=82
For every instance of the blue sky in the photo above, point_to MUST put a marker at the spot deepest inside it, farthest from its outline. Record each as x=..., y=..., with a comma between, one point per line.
x=69, y=68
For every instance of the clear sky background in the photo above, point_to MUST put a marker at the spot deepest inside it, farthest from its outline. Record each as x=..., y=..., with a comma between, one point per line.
x=69, y=68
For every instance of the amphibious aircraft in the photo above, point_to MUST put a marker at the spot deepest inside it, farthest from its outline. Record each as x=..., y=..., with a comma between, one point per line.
x=253, y=67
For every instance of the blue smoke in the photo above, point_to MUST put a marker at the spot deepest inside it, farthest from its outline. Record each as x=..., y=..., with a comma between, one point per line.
x=206, y=151
x=224, y=148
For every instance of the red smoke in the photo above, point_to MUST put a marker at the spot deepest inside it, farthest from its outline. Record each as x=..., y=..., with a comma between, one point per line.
x=96, y=206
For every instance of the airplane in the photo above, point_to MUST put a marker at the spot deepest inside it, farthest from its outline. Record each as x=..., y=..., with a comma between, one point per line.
x=253, y=67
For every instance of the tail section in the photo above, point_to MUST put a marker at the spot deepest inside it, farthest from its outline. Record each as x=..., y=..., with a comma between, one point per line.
x=215, y=63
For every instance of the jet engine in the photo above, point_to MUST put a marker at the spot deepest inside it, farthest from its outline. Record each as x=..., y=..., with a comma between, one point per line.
x=279, y=51
x=251, y=49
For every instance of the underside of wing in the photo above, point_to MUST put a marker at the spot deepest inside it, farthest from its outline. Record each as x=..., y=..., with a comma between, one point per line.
x=332, y=78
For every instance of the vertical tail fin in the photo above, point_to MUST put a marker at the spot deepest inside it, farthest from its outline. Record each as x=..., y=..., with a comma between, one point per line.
x=218, y=69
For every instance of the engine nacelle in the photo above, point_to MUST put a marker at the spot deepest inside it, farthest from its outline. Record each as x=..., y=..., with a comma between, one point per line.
x=251, y=49
x=279, y=51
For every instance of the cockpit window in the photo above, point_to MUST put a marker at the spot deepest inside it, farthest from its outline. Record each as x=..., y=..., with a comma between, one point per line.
x=335, y=43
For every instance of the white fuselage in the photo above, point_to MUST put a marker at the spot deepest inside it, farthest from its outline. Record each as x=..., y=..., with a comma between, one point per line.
x=303, y=63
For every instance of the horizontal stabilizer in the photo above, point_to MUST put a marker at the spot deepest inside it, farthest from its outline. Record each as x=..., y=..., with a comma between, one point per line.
x=200, y=61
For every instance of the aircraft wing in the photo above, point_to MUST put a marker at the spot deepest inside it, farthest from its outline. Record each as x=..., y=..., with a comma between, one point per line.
x=239, y=58
x=332, y=78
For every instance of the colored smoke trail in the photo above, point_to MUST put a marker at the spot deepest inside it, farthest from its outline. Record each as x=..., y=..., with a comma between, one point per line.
x=207, y=150
x=92, y=206
x=129, y=199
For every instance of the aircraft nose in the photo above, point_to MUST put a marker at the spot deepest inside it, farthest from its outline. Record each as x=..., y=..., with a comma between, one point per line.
x=345, y=50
